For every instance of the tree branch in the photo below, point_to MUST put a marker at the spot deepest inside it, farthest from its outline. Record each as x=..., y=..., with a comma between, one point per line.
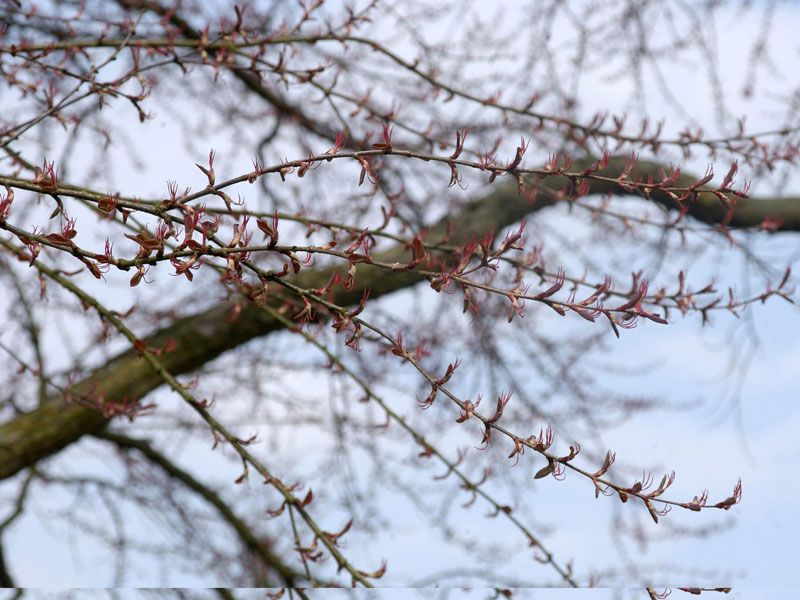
x=201, y=337
x=257, y=548
x=246, y=76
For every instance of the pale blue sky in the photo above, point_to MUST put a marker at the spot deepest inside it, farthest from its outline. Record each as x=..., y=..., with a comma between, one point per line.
x=707, y=447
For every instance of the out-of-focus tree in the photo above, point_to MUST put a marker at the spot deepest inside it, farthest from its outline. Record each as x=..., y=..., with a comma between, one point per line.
x=407, y=239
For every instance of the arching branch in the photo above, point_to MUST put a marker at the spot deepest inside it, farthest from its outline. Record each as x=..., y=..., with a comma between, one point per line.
x=202, y=337
x=257, y=548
